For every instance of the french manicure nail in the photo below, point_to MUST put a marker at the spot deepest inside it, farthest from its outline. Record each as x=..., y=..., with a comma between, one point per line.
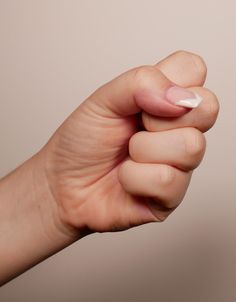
x=182, y=97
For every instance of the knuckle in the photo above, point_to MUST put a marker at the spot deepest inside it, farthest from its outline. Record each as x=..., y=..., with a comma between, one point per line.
x=143, y=72
x=195, y=144
x=167, y=176
x=195, y=60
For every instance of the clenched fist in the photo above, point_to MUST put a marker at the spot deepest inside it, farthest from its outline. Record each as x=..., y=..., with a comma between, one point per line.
x=125, y=156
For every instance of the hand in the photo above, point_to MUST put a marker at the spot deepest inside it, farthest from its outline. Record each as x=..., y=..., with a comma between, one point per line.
x=104, y=174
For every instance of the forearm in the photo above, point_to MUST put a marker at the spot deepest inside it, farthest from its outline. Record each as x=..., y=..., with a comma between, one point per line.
x=30, y=230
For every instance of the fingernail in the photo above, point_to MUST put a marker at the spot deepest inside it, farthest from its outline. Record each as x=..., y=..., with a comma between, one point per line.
x=182, y=97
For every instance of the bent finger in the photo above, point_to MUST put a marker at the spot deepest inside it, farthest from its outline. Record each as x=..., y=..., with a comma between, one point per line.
x=182, y=148
x=203, y=117
x=184, y=68
x=166, y=185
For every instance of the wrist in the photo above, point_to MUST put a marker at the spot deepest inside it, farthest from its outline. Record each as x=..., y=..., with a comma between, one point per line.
x=49, y=213
x=29, y=220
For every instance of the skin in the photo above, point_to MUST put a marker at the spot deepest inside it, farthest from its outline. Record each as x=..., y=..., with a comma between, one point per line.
x=123, y=158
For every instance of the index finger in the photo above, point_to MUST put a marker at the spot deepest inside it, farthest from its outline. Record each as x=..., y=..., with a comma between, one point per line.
x=202, y=118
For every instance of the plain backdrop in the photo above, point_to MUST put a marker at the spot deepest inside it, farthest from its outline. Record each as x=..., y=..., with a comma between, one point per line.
x=53, y=54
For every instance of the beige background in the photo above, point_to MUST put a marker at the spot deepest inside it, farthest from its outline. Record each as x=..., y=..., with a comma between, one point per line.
x=52, y=55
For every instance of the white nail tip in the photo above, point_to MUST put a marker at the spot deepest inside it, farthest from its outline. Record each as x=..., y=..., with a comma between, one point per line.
x=190, y=102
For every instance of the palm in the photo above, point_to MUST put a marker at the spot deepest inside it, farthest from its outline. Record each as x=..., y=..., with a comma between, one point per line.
x=84, y=178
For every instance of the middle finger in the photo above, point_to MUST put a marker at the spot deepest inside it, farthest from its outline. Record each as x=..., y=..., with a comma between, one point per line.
x=182, y=148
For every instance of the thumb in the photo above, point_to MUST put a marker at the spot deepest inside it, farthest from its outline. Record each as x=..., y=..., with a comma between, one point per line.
x=143, y=88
